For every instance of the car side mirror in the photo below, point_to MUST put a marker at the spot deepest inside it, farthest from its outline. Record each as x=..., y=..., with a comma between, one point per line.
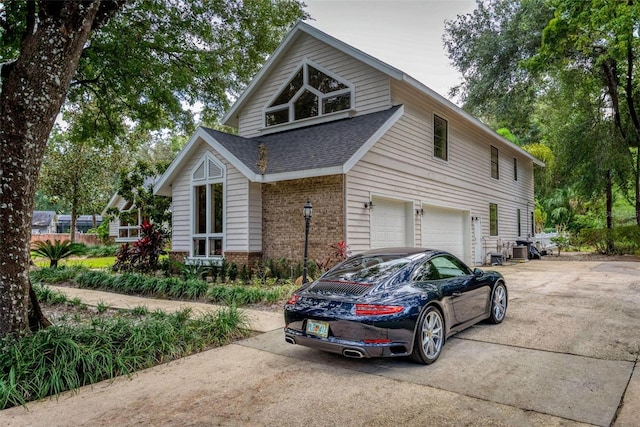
x=478, y=272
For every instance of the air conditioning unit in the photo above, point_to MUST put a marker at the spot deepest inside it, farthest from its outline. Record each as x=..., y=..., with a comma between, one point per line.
x=520, y=252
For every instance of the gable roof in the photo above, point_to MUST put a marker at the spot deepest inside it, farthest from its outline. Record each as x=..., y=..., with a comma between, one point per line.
x=42, y=218
x=323, y=149
x=231, y=118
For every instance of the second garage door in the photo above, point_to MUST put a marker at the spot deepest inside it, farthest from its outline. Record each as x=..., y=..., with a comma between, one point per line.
x=444, y=229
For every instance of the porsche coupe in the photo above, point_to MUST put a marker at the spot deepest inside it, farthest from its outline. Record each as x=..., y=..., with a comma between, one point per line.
x=393, y=302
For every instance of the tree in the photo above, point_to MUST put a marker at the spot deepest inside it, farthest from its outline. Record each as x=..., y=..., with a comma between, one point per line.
x=136, y=186
x=560, y=73
x=487, y=46
x=79, y=174
x=140, y=64
x=600, y=37
x=34, y=86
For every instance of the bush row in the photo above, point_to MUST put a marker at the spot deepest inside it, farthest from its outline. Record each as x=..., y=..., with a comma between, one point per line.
x=167, y=287
x=65, y=357
x=625, y=240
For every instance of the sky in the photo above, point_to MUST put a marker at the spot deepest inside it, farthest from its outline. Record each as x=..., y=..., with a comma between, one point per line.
x=406, y=34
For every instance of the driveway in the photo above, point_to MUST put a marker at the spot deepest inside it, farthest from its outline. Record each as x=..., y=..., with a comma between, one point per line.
x=565, y=355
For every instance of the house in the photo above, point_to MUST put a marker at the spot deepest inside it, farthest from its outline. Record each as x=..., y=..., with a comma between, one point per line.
x=384, y=160
x=125, y=227
x=84, y=223
x=44, y=222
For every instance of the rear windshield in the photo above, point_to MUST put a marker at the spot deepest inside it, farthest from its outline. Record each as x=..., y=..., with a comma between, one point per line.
x=367, y=269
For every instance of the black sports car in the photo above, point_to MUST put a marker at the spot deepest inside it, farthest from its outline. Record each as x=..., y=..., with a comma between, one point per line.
x=393, y=302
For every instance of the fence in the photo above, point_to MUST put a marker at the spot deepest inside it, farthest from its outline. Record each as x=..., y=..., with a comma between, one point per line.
x=87, y=239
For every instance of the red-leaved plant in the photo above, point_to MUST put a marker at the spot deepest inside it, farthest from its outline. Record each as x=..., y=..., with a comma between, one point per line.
x=144, y=254
x=338, y=252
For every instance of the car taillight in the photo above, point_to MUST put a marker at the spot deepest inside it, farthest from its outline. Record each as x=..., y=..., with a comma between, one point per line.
x=376, y=310
x=293, y=299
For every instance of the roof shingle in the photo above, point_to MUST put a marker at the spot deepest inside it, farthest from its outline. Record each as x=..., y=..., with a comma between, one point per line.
x=312, y=147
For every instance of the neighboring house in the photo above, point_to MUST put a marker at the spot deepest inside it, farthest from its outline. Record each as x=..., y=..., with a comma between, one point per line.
x=384, y=160
x=44, y=222
x=126, y=227
x=84, y=223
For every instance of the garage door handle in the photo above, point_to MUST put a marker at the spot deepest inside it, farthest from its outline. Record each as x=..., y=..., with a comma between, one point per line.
x=457, y=294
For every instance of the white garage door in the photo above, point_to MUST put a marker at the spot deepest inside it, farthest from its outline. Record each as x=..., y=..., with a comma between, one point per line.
x=388, y=224
x=444, y=229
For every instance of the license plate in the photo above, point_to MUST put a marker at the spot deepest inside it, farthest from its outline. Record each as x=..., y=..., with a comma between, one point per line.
x=318, y=328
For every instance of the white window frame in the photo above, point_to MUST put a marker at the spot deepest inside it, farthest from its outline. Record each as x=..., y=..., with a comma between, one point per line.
x=207, y=181
x=305, y=86
x=132, y=231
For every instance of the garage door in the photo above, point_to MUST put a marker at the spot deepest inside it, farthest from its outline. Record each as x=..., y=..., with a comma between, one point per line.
x=388, y=224
x=444, y=229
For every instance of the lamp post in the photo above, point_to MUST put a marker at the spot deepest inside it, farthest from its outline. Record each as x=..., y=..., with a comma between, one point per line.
x=307, y=212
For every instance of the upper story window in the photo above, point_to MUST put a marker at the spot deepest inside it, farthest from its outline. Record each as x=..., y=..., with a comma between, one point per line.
x=495, y=167
x=515, y=169
x=311, y=92
x=440, y=134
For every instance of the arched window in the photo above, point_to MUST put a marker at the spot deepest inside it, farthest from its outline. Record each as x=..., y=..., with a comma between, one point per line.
x=311, y=92
x=208, y=201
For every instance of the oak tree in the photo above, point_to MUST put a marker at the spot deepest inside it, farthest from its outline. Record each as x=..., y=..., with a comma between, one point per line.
x=141, y=63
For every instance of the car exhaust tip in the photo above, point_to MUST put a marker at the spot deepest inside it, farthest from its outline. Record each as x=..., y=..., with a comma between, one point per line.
x=290, y=340
x=353, y=353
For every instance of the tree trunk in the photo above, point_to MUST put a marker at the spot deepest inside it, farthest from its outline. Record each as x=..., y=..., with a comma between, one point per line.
x=37, y=319
x=74, y=220
x=637, y=175
x=34, y=88
x=609, y=201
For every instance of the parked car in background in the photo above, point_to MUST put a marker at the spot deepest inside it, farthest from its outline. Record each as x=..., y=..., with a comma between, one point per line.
x=393, y=302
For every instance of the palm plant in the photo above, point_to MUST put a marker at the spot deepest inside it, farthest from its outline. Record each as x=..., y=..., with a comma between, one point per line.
x=56, y=251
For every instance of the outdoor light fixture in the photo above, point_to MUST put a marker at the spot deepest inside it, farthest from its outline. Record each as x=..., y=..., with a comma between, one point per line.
x=307, y=211
x=420, y=212
x=368, y=205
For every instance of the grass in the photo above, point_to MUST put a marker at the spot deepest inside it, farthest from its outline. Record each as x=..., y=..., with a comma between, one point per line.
x=96, y=262
x=84, y=348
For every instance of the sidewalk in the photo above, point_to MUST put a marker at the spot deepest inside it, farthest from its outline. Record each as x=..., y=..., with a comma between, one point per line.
x=259, y=321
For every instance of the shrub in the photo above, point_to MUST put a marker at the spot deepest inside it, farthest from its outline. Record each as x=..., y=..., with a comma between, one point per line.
x=626, y=239
x=143, y=256
x=55, y=251
x=65, y=357
x=101, y=250
x=56, y=275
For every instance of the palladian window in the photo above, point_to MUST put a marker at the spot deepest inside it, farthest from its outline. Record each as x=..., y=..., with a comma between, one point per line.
x=311, y=92
x=207, y=182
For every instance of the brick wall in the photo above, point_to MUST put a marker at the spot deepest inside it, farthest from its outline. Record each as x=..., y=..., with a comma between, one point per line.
x=87, y=239
x=243, y=258
x=283, y=225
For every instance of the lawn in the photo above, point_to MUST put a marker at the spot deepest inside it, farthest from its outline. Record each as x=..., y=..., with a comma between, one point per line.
x=93, y=262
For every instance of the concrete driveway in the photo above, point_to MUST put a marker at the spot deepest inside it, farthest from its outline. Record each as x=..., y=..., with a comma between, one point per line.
x=565, y=355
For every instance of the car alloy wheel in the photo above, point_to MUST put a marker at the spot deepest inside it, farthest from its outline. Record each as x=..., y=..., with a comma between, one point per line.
x=498, y=303
x=429, y=337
